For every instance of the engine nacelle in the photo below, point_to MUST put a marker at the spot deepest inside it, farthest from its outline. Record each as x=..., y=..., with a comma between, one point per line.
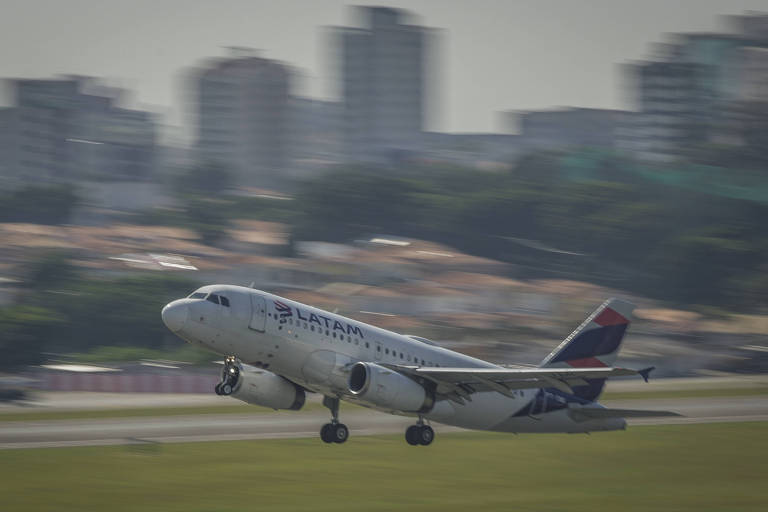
x=260, y=387
x=389, y=389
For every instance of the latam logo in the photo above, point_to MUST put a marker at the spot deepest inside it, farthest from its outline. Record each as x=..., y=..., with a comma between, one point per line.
x=285, y=311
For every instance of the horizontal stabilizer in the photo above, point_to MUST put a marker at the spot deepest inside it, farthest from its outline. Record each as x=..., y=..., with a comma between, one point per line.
x=598, y=413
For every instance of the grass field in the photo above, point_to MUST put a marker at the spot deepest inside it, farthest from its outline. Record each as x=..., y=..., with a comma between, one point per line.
x=668, y=468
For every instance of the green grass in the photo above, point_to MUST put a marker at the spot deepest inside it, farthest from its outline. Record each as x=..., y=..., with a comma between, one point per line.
x=670, y=468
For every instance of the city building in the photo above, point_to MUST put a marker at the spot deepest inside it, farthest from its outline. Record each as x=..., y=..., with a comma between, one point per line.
x=383, y=89
x=315, y=135
x=754, y=73
x=689, y=94
x=73, y=128
x=667, y=101
x=243, y=116
x=567, y=127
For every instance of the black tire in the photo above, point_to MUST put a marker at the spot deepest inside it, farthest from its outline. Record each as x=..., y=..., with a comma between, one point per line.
x=326, y=433
x=340, y=433
x=217, y=389
x=426, y=435
x=412, y=435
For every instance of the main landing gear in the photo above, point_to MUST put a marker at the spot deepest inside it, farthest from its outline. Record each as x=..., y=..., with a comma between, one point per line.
x=229, y=376
x=333, y=432
x=419, y=434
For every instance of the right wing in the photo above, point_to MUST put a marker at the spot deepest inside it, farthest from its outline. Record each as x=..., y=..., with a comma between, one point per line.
x=598, y=413
x=459, y=383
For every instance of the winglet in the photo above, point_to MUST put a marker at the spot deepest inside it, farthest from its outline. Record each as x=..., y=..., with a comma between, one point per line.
x=645, y=372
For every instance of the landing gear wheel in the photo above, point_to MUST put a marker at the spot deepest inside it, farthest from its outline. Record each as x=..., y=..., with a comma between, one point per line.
x=340, y=433
x=426, y=435
x=327, y=433
x=226, y=389
x=333, y=432
x=412, y=435
x=217, y=389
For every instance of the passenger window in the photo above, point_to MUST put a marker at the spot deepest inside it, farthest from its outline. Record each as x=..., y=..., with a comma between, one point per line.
x=313, y=328
x=386, y=351
x=224, y=301
x=378, y=348
x=401, y=355
x=213, y=298
x=367, y=345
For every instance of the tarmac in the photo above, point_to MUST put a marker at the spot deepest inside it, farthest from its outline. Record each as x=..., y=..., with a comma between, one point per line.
x=289, y=424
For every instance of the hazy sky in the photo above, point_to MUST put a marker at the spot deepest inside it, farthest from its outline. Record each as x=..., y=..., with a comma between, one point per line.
x=496, y=55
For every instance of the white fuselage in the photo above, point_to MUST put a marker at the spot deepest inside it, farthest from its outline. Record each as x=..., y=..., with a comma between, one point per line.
x=315, y=349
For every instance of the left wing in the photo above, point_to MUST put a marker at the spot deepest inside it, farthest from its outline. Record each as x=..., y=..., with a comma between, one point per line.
x=459, y=383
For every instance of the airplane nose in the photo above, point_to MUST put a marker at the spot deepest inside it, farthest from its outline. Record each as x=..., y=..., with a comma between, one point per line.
x=174, y=315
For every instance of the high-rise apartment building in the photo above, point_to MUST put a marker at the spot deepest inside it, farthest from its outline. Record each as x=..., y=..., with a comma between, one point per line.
x=72, y=128
x=383, y=67
x=243, y=115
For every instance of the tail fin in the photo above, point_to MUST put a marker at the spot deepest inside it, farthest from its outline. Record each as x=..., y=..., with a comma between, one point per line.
x=594, y=343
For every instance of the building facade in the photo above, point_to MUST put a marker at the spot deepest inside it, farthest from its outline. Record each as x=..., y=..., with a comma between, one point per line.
x=567, y=127
x=72, y=128
x=382, y=84
x=243, y=117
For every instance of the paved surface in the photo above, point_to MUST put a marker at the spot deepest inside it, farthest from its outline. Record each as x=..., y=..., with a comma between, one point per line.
x=210, y=427
x=63, y=400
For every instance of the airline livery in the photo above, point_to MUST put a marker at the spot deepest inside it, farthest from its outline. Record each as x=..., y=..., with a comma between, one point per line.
x=277, y=350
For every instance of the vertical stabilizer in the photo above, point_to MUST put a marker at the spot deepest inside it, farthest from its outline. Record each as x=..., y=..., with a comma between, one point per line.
x=595, y=343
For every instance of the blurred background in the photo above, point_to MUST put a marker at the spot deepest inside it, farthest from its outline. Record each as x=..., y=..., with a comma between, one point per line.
x=481, y=174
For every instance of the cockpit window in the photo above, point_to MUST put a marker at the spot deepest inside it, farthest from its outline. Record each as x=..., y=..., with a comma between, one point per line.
x=213, y=298
x=198, y=295
x=224, y=301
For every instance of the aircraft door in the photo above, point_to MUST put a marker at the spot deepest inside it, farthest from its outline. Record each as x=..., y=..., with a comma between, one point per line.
x=258, y=313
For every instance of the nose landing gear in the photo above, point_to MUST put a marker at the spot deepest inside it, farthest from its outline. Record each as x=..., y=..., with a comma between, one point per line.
x=419, y=434
x=333, y=432
x=229, y=375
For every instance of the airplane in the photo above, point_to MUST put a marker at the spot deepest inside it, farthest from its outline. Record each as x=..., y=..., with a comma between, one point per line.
x=277, y=350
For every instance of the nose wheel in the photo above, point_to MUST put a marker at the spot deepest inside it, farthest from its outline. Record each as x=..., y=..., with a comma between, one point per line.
x=333, y=432
x=419, y=434
x=229, y=375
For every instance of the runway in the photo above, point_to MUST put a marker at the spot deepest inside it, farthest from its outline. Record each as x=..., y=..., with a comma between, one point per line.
x=268, y=425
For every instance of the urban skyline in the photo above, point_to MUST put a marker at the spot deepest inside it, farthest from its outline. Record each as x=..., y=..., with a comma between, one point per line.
x=470, y=96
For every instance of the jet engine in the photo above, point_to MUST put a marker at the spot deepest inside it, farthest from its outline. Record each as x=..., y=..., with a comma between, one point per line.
x=389, y=389
x=259, y=387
